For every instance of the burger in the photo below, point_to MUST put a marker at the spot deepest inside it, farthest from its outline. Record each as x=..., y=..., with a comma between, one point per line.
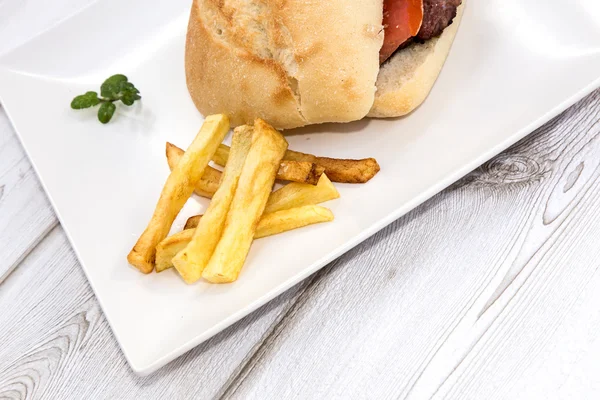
x=299, y=62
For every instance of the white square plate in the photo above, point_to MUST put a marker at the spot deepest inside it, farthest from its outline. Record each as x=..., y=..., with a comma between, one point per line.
x=514, y=65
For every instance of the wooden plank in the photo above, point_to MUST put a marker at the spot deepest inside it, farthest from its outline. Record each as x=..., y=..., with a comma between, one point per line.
x=61, y=347
x=25, y=214
x=491, y=283
x=545, y=313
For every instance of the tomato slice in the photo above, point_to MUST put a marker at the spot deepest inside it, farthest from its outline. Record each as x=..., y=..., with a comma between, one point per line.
x=402, y=20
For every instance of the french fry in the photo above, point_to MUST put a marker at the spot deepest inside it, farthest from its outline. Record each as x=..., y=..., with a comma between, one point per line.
x=192, y=222
x=221, y=155
x=249, y=201
x=340, y=170
x=300, y=194
x=178, y=188
x=300, y=172
x=170, y=246
x=191, y=261
x=270, y=224
x=294, y=171
x=337, y=169
x=208, y=184
x=291, y=195
x=286, y=220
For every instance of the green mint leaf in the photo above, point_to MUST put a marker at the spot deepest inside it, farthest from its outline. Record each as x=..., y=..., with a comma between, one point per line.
x=87, y=100
x=111, y=87
x=127, y=87
x=115, y=88
x=109, y=91
x=93, y=98
x=116, y=79
x=105, y=112
x=128, y=99
x=129, y=93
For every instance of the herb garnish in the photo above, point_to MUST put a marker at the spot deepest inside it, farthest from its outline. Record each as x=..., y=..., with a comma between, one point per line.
x=115, y=88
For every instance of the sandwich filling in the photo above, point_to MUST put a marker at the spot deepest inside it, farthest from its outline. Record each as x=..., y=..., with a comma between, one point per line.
x=405, y=21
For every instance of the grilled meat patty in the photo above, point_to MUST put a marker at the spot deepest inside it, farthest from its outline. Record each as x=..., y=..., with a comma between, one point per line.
x=437, y=16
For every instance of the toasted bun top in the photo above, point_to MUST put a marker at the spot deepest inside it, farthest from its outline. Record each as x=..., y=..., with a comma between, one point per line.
x=290, y=62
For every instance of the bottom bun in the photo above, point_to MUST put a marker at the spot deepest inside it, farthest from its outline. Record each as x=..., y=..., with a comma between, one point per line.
x=405, y=80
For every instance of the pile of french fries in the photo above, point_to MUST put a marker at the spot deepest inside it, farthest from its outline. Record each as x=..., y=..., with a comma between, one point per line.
x=243, y=207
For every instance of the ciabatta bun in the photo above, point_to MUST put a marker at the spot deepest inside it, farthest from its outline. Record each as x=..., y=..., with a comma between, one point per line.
x=289, y=62
x=298, y=62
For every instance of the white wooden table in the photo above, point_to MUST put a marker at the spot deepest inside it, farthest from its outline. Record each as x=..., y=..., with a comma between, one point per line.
x=490, y=290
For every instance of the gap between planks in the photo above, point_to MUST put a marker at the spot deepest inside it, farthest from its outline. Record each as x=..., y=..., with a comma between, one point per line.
x=37, y=241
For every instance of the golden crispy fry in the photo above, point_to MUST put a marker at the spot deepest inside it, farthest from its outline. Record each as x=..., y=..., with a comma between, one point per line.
x=249, y=201
x=277, y=222
x=170, y=246
x=208, y=184
x=294, y=171
x=178, y=188
x=286, y=220
x=300, y=171
x=221, y=155
x=270, y=224
x=192, y=222
x=338, y=170
x=300, y=194
x=289, y=170
x=191, y=261
x=291, y=195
